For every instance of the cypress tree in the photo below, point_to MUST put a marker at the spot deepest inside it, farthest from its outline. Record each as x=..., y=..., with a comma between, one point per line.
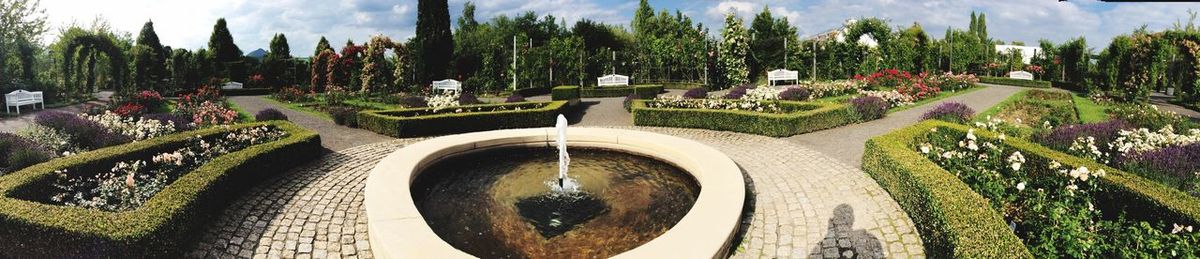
x=322, y=45
x=150, y=64
x=981, y=28
x=225, y=52
x=276, y=62
x=279, y=47
x=974, y=23
x=642, y=18
x=436, y=44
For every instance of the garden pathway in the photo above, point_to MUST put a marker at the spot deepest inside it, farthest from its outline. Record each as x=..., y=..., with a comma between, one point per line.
x=20, y=122
x=1163, y=101
x=333, y=137
x=847, y=143
x=803, y=204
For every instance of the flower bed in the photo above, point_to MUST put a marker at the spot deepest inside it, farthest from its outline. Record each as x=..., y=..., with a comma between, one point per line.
x=963, y=209
x=787, y=118
x=1014, y=82
x=165, y=224
x=460, y=119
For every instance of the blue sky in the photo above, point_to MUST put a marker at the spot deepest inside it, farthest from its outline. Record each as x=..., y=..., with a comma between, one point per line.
x=253, y=22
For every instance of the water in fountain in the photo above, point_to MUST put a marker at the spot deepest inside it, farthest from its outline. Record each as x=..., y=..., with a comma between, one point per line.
x=565, y=184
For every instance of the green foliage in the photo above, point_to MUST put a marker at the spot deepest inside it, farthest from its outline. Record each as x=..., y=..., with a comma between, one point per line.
x=435, y=44
x=807, y=117
x=224, y=51
x=276, y=63
x=767, y=46
x=1014, y=82
x=322, y=45
x=376, y=73
x=564, y=93
x=735, y=45
x=149, y=60
x=417, y=122
x=166, y=224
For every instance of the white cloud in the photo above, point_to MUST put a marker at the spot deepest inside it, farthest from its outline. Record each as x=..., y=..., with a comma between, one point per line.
x=742, y=9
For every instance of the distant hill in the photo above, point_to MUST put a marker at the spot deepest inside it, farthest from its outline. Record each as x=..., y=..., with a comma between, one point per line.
x=258, y=54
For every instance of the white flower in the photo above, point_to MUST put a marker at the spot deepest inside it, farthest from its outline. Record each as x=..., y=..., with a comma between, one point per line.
x=925, y=148
x=971, y=134
x=1021, y=186
x=971, y=145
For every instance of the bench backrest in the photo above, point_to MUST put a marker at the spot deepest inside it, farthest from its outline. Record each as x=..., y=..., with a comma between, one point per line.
x=612, y=80
x=447, y=85
x=783, y=74
x=232, y=85
x=19, y=96
x=1020, y=75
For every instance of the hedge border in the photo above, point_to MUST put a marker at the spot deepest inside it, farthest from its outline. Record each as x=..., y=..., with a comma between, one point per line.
x=565, y=93
x=642, y=91
x=954, y=221
x=167, y=223
x=246, y=92
x=451, y=123
x=1014, y=82
x=533, y=91
x=813, y=116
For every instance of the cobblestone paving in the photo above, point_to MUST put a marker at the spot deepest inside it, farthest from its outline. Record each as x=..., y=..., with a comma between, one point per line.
x=316, y=211
x=803, y=204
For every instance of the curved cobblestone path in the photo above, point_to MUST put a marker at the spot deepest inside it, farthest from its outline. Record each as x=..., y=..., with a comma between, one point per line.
x=803, y=204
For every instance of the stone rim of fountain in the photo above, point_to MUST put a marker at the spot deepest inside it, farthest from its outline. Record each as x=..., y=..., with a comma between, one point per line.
x=397, y=229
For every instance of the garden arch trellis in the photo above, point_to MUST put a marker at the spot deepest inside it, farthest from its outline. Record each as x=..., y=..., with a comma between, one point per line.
x=80, y=48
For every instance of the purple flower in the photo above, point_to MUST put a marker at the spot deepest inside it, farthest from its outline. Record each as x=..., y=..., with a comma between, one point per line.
x=794, y=94
x=515, y=98
x=869, y=107
x=86, y=133
x=1104, y=132
x=950, y=111
x=182, y=123
x=738, y=92
x=696, y=93
x=270, y=114
x=1180, y=162
x=468, y=99
x=413, y=102
x=17, y=152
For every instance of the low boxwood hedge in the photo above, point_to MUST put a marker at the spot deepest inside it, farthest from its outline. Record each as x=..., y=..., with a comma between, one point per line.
x=161, y=228
x=246, y=91
x=402, y=122
x=642, y=91
x=564, y=93
x=808, y=117
x=1014, y=82
x=533, y=91
x=954, y=221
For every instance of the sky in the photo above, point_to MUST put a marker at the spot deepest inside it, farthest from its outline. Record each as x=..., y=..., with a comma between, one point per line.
x=189, y=23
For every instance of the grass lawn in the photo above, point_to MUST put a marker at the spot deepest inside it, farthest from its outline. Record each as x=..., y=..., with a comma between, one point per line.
x=982, y=116
x=300, y=107
x=243, y=116
x=940, y=96
x=1089, y=111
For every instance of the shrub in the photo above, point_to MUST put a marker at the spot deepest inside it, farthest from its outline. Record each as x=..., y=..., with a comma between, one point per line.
x=565, y=93
x=628, y=102
x=86, y=133
x=344, y=116
x=1175, y=164
x=430, y=121
x=1014, y=82
x=148, y=98
x=696, y=93
x=467, y=98
x=293, y=94
x=336, y=95
x=869, y=107
x=164, y=226
x=801, y=117
x=413, y=102
x=1149, y=116
x=951, y=111
x=270, y=114
x=515, y=98
x=129, y=109
x=738, y=91
x=794, y=94
x=535, y=91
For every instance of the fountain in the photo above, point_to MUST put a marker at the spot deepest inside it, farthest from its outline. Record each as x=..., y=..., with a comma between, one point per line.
x=508, y=194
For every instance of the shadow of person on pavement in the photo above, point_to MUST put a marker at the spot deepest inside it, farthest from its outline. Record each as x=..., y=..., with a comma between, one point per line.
x=842, y=241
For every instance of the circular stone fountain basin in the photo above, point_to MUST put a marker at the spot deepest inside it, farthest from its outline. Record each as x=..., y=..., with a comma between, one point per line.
x=407, y=192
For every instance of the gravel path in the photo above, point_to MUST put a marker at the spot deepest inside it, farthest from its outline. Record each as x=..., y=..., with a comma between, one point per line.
x=1163, y=101
x=803, y=204
x=846, y=143
x=333, y=137
x=18, y=123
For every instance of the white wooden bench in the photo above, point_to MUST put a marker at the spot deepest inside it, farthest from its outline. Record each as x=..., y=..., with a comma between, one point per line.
x=1020, y=75
x=22, y=97
x=232, y=85
x=612, y=80
x=782, y=75
x=447, y=85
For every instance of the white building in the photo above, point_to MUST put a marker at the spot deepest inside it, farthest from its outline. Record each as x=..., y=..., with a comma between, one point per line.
x=1027, y=52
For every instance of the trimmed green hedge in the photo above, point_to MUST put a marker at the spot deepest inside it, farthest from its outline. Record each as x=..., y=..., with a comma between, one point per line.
x=535, y=91
x=642, y=91
x=1014, y=82
x=166, y=224
x=246, y=91
x=564, y=93
x=956, y=222
x=400, y=122
x=808, y=117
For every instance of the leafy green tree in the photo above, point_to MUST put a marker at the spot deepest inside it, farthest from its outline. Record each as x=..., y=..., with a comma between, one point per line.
x=22, y=22
x=277, y=63
x=151, y=69
x=734, y=48
x=767, y=42
x=436, y=44
x=322, y=45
